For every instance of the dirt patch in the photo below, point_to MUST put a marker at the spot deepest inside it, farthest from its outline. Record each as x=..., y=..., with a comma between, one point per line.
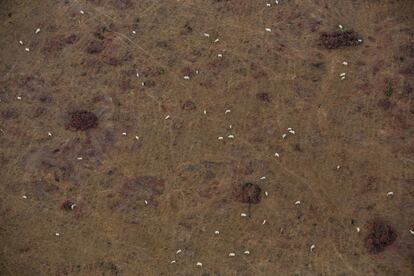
x=264, y=97
x=187, y=29
x=380, y=236
x=82, y=120
x=385, y=104
x=68, y=205
x=248, y=193
x=189, y=105
x=340, y=39
x=95, y=47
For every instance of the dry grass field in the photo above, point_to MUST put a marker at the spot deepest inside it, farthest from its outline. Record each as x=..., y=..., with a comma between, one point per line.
x=207, y=137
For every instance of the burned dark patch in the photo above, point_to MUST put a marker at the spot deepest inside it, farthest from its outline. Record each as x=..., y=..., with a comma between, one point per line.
x=264, y=97
x=162, y=44
x=82, y=120
x=297, y=147
x=318, y=65
x=380, y=236
x=102, y=30
x=248, y=193
x=189, y=105
x=187, y=29
x=45, y=99
x=384, y=104
x=340, y=39
x=95, y=47
x=68, y=205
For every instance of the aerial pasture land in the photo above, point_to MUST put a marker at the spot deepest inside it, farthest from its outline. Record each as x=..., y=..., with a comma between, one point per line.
x=207, y=137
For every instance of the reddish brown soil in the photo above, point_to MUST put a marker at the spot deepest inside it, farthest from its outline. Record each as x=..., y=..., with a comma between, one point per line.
x=340, y=39
x=68, y=205
x=380, y=235
x=189, y=105
x=264, y=97
x=248, y=193
x=83, y=120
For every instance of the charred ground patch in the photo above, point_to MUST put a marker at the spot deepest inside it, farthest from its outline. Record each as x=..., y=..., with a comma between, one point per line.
x=340, y=39
x=380, y=236
x=82, y=120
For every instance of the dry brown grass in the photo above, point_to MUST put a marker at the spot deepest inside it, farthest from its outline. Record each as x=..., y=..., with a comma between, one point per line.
x=271, y=81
